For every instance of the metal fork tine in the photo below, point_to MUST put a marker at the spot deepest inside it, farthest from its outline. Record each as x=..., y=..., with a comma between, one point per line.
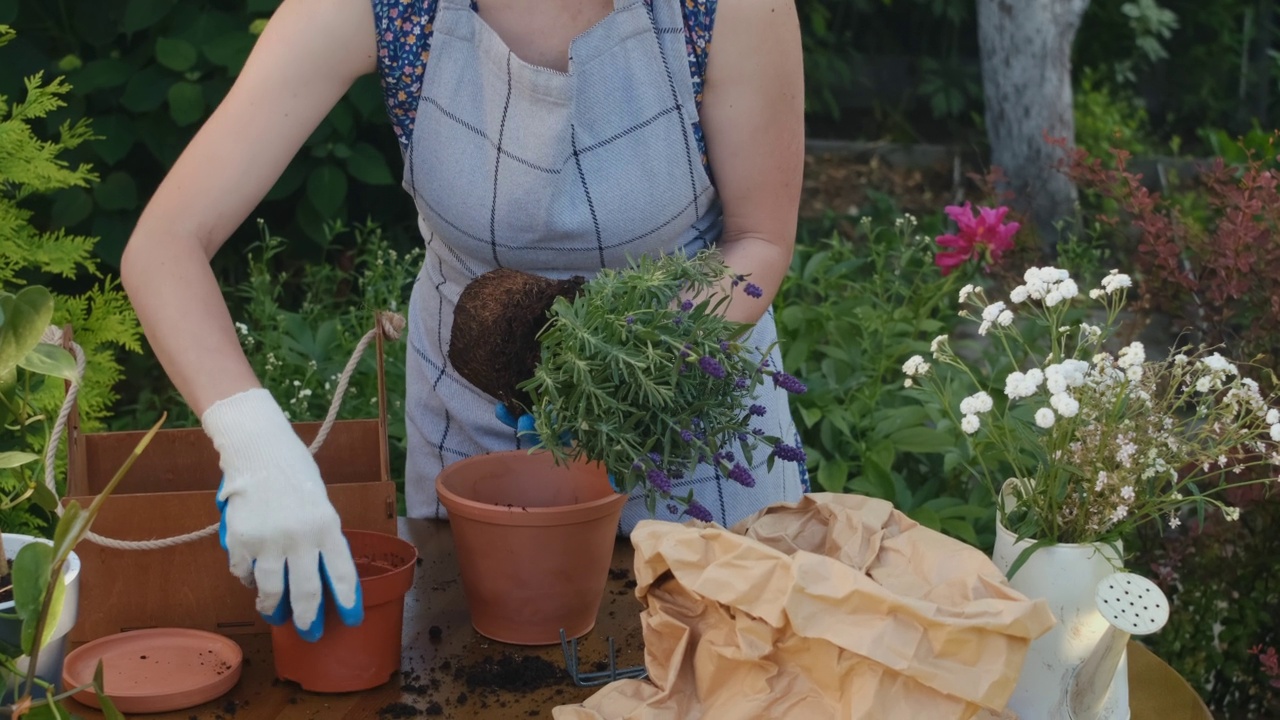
x=573, y=663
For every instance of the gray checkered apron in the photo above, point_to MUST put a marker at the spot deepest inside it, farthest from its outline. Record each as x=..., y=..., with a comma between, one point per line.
x=560, y=174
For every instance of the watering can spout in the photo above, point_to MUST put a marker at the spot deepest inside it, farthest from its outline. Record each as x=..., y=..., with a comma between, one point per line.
x=1133, y=605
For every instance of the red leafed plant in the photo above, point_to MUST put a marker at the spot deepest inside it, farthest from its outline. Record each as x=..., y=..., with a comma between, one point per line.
x=1208, y=260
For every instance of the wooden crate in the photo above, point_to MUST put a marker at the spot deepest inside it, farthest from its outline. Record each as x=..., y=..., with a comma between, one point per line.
x=172, y=490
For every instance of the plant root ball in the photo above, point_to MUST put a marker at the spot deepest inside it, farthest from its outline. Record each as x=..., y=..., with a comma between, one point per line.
x=493, y=343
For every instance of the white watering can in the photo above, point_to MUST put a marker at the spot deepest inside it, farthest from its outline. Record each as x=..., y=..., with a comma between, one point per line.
x=1078, y=670
x=1132, y=605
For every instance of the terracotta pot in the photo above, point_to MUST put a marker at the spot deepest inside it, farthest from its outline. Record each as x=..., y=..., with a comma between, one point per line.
x=348, y=659
x=534, y=541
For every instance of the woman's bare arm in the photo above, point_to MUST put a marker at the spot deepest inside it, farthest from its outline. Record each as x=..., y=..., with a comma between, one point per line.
x=753, y=120
x=305, y=60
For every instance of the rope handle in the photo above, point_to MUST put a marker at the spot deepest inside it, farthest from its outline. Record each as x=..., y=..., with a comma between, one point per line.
x=388, y=325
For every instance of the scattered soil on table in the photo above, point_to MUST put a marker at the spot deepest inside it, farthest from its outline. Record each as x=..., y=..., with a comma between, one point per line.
x=435, y=709
x=435, y=633
x=619, y=573
x=519, y=673
x=398, y=710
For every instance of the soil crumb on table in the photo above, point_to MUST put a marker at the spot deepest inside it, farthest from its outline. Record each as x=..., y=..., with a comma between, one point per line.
x=435, y=709
x=398, y=710
x=511, y=672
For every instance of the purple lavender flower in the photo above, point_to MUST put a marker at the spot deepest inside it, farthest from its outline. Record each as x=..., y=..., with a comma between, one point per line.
x=742, y=476
x=757, y=431
x=743, y=437
x=686, y=436
x=677, y=320
x=725, y=456
x=740, y=383
x=738, y=280
x=686, y=306
x=724, y=346
x=711, y=366
x=753, y=290
x=686, y=351
x=788, y=453
x=658, y=479
x=758, y=410
x=788, y=383
x=631, y=319
x=673, y=508
x=698, y=512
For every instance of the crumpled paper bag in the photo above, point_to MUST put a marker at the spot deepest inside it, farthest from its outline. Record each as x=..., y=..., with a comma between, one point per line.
x=837, y=606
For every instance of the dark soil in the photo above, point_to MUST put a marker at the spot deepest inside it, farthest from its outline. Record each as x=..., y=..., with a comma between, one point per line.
x=398, y=710
x=6, y=582
x=435, y=708
x=493, y=343
x=519, y=673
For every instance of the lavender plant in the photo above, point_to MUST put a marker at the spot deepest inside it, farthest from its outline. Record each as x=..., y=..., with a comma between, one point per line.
x=646, y=376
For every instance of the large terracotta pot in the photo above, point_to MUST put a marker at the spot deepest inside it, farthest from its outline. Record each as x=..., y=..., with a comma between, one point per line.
x=534, y=541
x=348, y=659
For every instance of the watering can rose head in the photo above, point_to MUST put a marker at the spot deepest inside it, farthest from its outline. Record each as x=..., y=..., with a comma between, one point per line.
x=1097, y=438
x=640, y=370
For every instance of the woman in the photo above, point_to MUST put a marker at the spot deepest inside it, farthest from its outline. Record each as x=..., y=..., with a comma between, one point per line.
x=557, y=137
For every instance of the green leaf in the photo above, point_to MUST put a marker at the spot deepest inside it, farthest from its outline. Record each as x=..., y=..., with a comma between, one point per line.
x=26, y=315
x=327, y=189
x=263, y=6
x=70, y=207
x=832, y=475
x=15, y=458
x=176, y=54
x=102, y=74
x=109, y=710
x=8, y=11
x=1025, y=555
x=368, y=166
x=186, y=103
x=72, y=517
x=960, y=529
x=810, y=415
x=230, y=50
x=146, y=90
x=44, y=498
x=142, y=14
x=117, y=137
x=50, y=360
x=32, y=570
x=920, y=440
x=117, y=191
x=926, y=517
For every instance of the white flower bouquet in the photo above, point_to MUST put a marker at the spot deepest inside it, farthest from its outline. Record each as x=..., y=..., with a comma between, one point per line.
x=1090, y=444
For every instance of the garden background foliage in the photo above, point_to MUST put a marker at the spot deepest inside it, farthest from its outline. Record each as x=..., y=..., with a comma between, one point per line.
x=1153, y=77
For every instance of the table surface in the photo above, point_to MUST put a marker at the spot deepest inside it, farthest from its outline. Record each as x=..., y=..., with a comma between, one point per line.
x=434, y=671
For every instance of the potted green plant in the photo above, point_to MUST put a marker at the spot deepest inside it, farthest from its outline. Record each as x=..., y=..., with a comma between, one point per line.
x=1082, y=443
x=626, y=383
x=39, y=577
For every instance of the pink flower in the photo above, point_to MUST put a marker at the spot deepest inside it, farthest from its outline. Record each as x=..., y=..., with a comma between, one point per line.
x=984, y=237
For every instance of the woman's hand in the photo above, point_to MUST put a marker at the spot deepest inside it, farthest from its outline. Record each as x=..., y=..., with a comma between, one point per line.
x=753, y=121
x=305, y=60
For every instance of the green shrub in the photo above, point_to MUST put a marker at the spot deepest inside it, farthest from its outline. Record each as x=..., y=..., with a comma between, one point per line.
x=853, y=308
x=152, y=71
x=92, y=303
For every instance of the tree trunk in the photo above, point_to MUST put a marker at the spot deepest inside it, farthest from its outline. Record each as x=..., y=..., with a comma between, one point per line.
x=1026, y=78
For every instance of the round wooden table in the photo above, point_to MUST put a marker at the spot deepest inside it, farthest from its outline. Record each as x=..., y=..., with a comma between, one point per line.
x=440, y=646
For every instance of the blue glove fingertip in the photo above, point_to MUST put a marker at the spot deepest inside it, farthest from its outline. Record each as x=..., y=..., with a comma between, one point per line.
x=614, y=484
x=504, y=415
x=316, y=630
x=350, y=616
x=525, y=425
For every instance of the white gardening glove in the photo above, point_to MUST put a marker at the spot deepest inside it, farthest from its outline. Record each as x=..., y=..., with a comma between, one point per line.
x=278, y=527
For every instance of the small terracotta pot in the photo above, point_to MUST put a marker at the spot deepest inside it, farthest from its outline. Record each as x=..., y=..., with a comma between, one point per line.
x=534, y=541
x=349, y=659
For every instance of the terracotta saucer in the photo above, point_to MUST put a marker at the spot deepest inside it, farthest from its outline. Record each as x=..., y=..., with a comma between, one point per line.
x=156, y=670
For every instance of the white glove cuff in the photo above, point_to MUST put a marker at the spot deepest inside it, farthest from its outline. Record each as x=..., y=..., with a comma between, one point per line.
x=250, y=430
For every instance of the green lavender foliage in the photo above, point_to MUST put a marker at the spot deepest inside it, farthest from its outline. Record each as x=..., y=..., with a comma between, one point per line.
x=622, y=373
